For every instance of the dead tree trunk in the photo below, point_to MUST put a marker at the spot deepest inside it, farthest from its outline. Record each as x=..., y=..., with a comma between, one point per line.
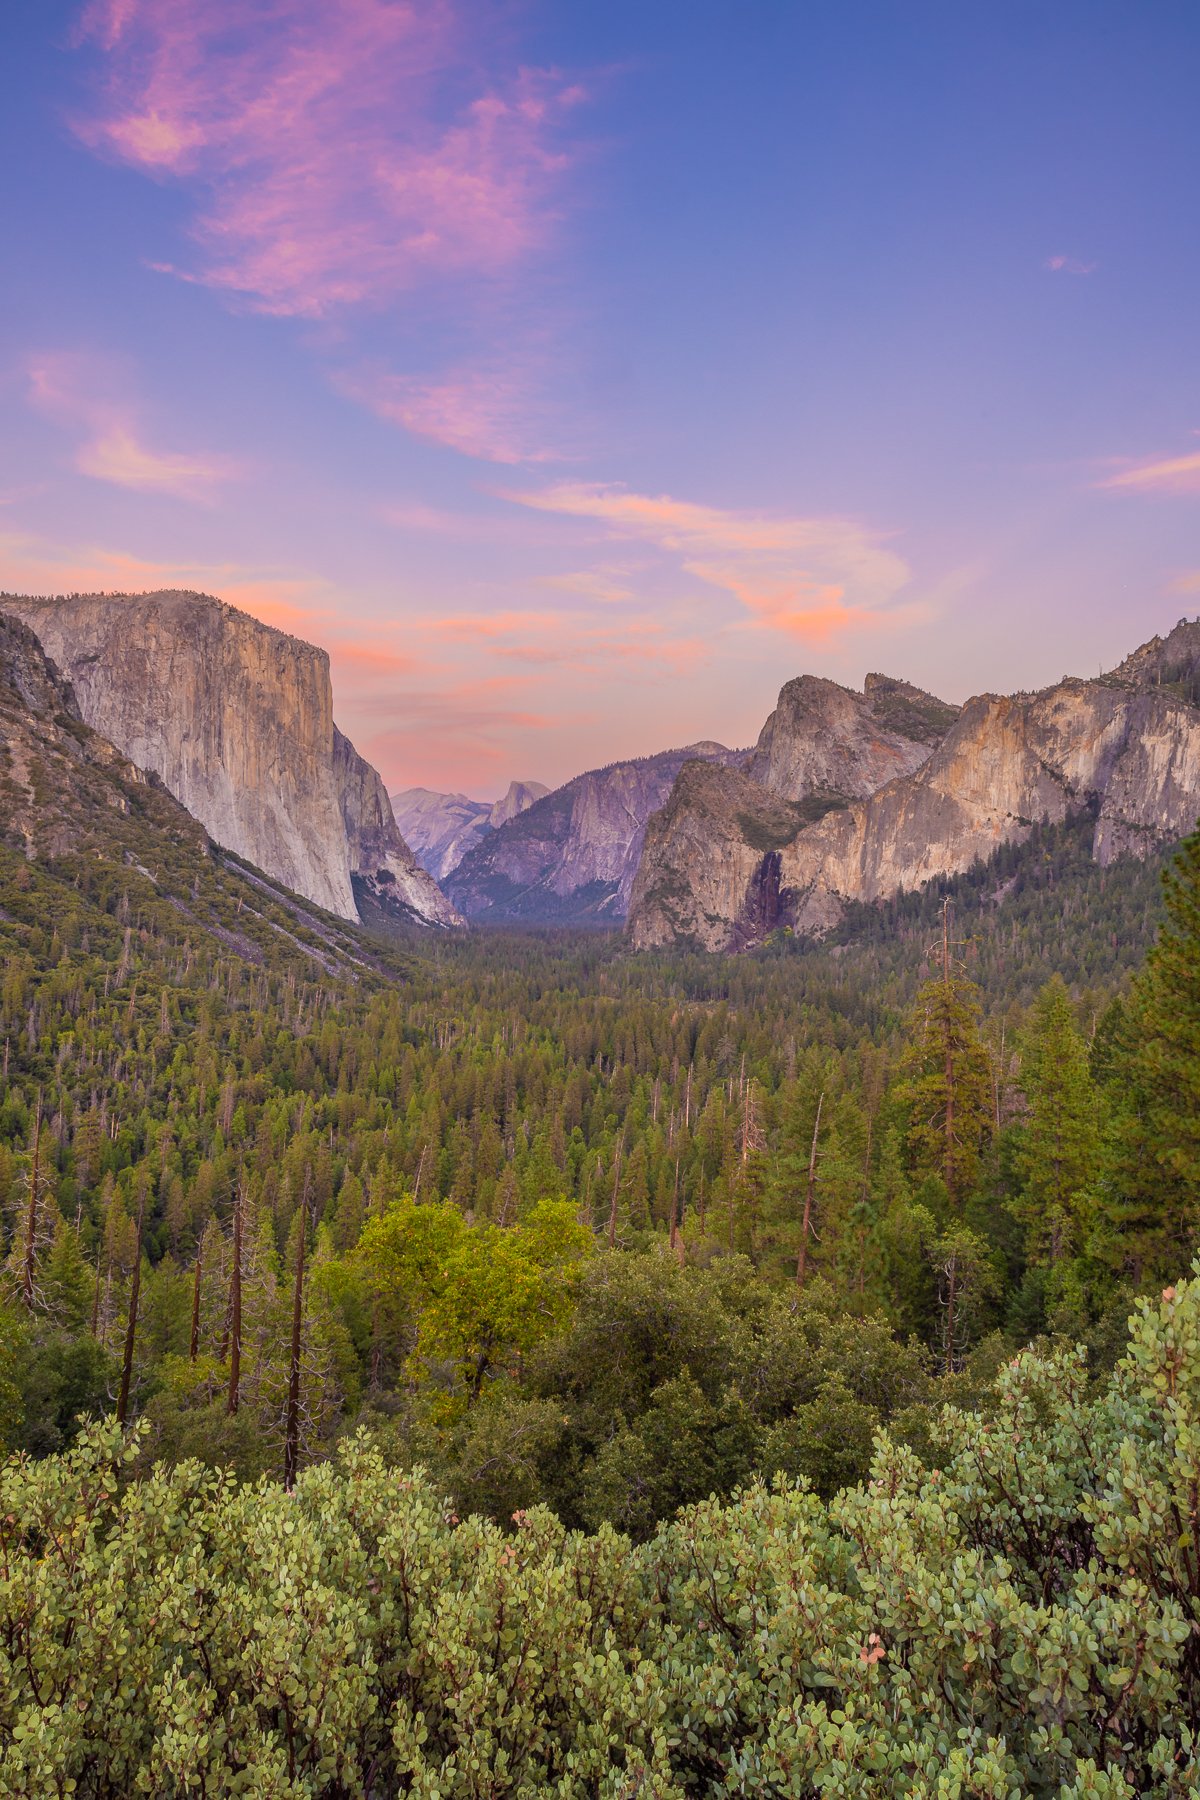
x=131, y=1327
x=612, y=1211
x=29, y=1261
x=197, y=1278
x=235, y=1310
x=809, y=1196
x=291, y=1447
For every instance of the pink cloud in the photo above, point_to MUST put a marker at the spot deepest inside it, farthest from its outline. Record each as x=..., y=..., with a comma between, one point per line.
x=30, y=565
x=482, y=412
x=338, y=159
x=469, y=628
x=447, y=739
x=1163, y=475
x=571, y=641
x=605, y=585
x=80, y=393
x=810, y=578
x=1069, y=265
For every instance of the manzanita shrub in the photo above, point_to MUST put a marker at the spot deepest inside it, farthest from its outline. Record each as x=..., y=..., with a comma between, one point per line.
x=1022, y=1618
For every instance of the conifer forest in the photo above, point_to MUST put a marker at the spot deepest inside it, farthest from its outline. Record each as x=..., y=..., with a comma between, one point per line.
x=512, y=1366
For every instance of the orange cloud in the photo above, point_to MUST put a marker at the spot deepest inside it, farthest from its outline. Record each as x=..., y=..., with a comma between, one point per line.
x=470, y=627
x=80, y=393
x=810, y=578
x=29, y=565
x=568, y=641
x=317, y=136
x=1165, y=475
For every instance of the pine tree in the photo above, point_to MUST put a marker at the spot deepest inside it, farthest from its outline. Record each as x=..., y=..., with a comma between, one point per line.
x=1057, y=1145
x=1150, y=1207
x=948, y=1085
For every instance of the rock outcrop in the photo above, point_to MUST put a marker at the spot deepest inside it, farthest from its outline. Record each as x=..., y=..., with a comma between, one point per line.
x=1125, y=747
x=63, y=787
x=827, y=739
x=387, y=879
x=441, y=828
x=572, y=855
x=236, y=719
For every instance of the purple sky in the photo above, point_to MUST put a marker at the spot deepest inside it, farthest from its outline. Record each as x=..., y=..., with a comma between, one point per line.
x=577, y=373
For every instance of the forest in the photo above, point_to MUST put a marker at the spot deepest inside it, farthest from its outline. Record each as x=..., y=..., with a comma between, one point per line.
x=521, y=1230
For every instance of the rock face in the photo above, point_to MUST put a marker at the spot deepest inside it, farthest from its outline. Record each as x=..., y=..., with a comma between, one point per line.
x=441, y=828
x=386, y=877
x=63, y=787
x=829, y=740
x=571, y=856
x=1125, y=747
x=236, y=719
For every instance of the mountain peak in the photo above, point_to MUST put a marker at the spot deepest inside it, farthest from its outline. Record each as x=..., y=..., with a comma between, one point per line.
x=1167, y=662
x=236, y=720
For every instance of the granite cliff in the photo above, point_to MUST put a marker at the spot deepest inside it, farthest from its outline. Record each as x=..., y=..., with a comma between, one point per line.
x=63, y=788
x=236, y=720
x=572, y=855
x=727, y=860
x=441, y=828
x=74, y=810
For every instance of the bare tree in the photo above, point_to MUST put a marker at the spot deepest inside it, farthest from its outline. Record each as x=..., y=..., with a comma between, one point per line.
x=291, y=1448
x=134, y=1291
x=809, y=1196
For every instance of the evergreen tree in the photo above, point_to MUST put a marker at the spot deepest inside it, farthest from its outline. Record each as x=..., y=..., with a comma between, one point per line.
x=948, y=1086
x=1057, y=1145
x=1150, y=1209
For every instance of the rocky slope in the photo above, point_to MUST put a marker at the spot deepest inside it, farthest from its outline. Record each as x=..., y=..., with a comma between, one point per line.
x=725, y=862
x=572, y=855
x=63, y=788
x=75, y=815
x=236, y=719
x=441, y=828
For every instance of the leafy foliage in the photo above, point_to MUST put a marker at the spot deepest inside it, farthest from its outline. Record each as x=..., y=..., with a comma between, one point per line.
x=1018, y=1619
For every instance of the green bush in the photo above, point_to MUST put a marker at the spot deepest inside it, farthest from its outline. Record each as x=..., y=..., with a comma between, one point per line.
x=1019, y=1619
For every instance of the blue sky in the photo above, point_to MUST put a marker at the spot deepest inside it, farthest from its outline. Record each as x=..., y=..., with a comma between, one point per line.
x=578, y=373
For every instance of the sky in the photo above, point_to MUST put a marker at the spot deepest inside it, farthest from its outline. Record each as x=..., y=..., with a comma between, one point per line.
x=577, y=373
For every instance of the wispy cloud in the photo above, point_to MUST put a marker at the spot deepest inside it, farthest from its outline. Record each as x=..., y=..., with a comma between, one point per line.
x=1069, y=265
x=1159, y=475
x=80, y=393
x=810, y=578
x=607, y=586
x=542, y=639
x=457, y=737
x=336, y=154
x=485, y=413
x=32, y=565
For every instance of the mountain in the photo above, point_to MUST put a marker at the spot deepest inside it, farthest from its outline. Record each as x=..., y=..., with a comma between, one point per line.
x=89, y=841
x=830, y=742
x=572, y=855
x=441, y=828
x=236, y=719
x=727, y=860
